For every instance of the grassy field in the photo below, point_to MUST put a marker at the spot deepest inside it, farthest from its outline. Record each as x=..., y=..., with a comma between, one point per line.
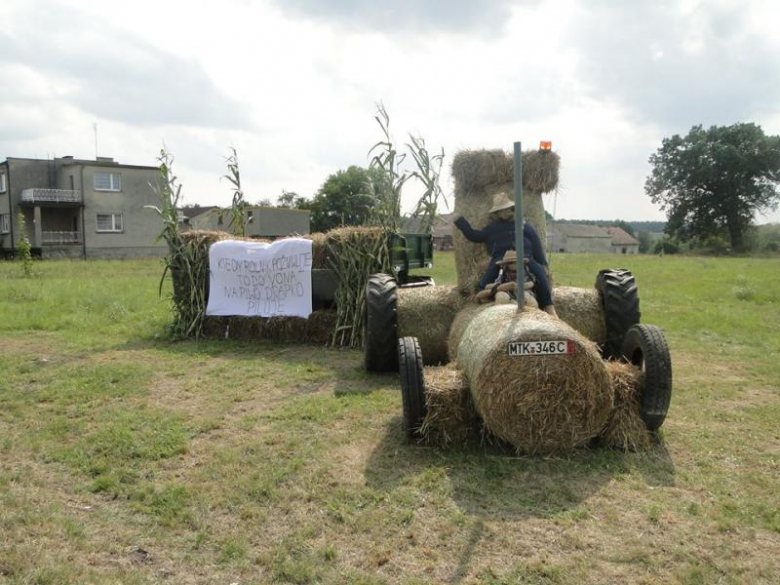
x=125, y=458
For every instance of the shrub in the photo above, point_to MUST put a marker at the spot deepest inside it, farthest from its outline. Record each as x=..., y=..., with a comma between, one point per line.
x=667, y=246
x=24, y=249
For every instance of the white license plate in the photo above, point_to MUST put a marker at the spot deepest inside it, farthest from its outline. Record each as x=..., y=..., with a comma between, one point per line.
x=524, y=348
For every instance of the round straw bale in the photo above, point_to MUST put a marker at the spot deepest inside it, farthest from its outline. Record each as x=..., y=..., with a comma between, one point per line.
x=582, y=309
x=539, y=404
x=464, y=317
x=426, y=312
x=475, y=170
x=459, y=325
x=626, y=430
x=450, y=415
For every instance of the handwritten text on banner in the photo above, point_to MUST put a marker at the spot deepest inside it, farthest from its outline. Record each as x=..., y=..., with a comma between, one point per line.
x=259, y=279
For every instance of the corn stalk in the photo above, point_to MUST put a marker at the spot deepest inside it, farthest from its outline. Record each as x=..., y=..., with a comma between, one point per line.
x=239, y=205
x=386, y=211
x=354, y=254
x=187, y=264
x=428, y=173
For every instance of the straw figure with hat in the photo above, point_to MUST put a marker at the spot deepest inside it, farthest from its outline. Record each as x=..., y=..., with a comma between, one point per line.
x=499, y=238
x=504, y=289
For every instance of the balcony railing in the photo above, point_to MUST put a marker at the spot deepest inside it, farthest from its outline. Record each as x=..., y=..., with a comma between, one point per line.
x=60, y=238
x=36, y=195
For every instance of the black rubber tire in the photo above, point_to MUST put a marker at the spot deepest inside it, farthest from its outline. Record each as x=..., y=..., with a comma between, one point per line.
x=645, y=346
x=410, y=369
x=620, y=299
x=380, y=327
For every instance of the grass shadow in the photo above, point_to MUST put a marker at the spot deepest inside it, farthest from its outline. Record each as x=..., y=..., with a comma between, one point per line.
x=489, y=482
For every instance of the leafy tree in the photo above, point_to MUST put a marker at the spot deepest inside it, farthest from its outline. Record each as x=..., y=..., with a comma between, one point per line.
x=345, y=198
x=711, y=182
x=645, y=242
x=291, y=200
x=666, y=246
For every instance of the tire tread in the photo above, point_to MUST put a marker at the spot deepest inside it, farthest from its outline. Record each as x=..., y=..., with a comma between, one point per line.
x=620, y=300
x=410, y=369
x=380, y=332
x=657, y=394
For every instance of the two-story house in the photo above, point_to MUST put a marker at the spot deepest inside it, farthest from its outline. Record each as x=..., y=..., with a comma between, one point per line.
x=76, y=208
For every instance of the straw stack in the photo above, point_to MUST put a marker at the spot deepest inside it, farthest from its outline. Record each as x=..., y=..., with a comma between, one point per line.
x=582, y=309
x=450, y=418
x=427, y=313
x=318, y=328
x=626, y=430
x=352, y=252
x=480, y=174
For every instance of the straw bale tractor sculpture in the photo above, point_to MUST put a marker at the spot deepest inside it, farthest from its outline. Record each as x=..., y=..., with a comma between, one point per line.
x=543, y=384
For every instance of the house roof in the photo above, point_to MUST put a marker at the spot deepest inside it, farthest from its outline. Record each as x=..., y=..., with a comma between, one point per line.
x=577, y=230
x=442, y=225
x=620, y=237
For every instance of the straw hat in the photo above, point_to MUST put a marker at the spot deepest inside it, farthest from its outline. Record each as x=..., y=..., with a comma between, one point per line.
x=501, y=201
x=509, y=257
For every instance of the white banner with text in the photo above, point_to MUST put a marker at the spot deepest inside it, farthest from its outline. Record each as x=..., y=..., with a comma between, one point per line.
x=260, y=280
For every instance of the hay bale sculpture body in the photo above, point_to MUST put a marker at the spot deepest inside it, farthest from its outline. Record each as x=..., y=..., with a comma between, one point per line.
x=539, y=383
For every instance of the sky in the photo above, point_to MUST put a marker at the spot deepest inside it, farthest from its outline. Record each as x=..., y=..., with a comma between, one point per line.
x=293, y=85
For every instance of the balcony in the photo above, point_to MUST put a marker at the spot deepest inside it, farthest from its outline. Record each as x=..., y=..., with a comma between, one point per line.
x=60, y=238
x=48, y=196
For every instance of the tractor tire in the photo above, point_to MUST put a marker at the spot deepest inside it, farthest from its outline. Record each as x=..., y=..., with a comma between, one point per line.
x=645, y=346
x=380, y=327
x=620, y=300
x=410, y=368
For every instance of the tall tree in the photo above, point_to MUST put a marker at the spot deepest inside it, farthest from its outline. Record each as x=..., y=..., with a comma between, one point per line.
x=645, y=242
x=712, y=182
x=345, y=198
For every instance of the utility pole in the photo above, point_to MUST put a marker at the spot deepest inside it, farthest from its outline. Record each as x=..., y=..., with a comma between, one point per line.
x=519, y=226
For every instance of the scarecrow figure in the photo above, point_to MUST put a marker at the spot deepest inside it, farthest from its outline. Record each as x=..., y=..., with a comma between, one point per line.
x=504, y=289
x=499, y=238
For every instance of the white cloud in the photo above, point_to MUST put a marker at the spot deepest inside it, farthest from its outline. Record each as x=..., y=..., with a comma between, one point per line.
x=293, y=85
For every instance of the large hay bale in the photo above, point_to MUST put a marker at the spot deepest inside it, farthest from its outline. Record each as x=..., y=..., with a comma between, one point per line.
x=318, y=328
x=427, y=313
x=582, y=309
x=479, y=174
x=626, y=430
x=539, y=404
x=450, y=417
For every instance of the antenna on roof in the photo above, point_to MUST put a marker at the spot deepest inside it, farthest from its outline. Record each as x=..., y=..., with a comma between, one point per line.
x=94, y=127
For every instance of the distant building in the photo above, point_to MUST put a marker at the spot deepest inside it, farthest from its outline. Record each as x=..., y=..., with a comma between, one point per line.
x=262, y=222
x=623, y=242
x=80, y=208
x=581, y=238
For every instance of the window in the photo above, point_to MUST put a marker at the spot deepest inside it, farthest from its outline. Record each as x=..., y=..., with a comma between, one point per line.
x=250, y=215
x=109, y=222
x=4, y=226
x=3, y=185
x=108, y=182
